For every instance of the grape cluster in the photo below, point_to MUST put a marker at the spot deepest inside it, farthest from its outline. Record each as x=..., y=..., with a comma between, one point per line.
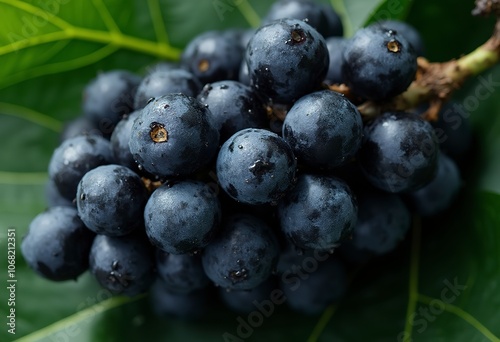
x=239, y=167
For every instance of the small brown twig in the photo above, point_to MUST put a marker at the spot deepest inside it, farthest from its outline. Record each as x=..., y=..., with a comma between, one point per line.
x=435, y=82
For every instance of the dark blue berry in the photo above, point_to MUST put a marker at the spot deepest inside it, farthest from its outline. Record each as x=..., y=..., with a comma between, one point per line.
x=319, y=284
x=383, y=222
x=234, y=106
x=74, y=158
x=334, y=22
x=111, y=200
x=122, y=265
x=378, y=63
x=243, y=255
x=163, y=82
x=213, y=56
x=57, y=245
x=109, y=96
x=406, y=30
x=246, y=301
x=319, y=213
x=245, y=37
x=453, y=131
x=324, y=129
x=336, y=47
x=293, y=259
x=399, y=152
x=119, y=141
x=439, y=194
x=162, y=66
x=286, y=59
x=173, y=135
x=184, y=306
x=182, y=273
x=256, y=166
x=244, y=76
x=182, y=217
x=239, y=35
x=351, y=174
x=322, y=17
x=81, y=126
x=54, y=197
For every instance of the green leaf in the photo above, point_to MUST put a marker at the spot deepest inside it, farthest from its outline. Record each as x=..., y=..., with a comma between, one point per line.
x=81, y=325
x=390, y=9
x=356, y=14
x=59, y=35
x=49, y=50
x=42, y=83
x=454, y=265
x=484, y=94
x=429, y=17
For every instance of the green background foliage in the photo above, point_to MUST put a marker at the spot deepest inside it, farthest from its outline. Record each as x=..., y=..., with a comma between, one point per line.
x=49, y=49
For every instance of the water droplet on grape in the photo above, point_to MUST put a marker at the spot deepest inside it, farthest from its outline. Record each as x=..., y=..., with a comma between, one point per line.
x=238, y=275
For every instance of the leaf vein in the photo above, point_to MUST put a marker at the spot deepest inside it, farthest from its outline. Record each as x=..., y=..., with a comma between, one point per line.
x=106, y=17
x=53, y=51
x=157, y=19
x=55, y=68
x=413, y=281
x=249, y=13
x=116, y=38
x=34, y=41
x=120, y=40
x=37, y=11
x=79, y=317
x=459, y=312
x=22, y=178
x=31, y=115
x=340, y=8
x=322, y=323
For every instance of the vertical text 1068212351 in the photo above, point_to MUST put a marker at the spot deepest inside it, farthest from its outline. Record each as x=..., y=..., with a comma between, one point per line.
x=11, y=280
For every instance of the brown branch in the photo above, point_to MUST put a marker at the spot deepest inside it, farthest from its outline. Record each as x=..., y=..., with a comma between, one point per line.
x=486, y=7
x=435, y=82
